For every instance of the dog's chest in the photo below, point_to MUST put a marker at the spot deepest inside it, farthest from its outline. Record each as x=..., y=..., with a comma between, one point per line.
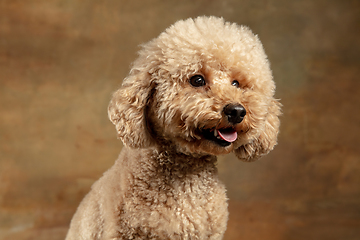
x=177, y=205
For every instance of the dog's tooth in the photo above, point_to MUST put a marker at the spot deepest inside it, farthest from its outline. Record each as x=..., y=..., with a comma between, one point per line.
x=216, y=134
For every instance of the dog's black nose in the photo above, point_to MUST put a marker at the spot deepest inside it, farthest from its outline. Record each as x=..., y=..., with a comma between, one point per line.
x=234, y=112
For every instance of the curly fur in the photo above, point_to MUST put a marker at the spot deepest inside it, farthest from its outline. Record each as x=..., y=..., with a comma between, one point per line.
x=164, y=184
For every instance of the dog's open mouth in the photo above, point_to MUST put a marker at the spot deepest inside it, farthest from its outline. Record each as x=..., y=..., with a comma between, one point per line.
x=223, y=137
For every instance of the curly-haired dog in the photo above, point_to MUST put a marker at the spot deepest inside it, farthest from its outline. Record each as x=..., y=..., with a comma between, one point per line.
x=202, y=88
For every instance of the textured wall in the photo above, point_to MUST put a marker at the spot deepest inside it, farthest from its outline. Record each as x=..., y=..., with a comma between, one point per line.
x=61, y=60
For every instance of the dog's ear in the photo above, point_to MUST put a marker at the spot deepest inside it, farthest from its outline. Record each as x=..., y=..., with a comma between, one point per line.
x=266, y=140
x=127, y=109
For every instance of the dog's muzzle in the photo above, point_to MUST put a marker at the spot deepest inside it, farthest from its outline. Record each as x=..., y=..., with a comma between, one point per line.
x=235, y=114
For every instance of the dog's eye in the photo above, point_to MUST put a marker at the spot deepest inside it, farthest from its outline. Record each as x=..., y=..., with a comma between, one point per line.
x=197, y=81
x=235, y=83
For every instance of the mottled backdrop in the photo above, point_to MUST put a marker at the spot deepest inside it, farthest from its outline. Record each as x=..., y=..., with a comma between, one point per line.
x=60, y=60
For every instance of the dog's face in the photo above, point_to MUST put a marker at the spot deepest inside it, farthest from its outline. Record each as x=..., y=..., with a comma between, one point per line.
x=204, y=87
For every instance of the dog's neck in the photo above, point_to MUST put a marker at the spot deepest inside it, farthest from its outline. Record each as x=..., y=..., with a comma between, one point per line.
x=167, y=164
x=182, y=164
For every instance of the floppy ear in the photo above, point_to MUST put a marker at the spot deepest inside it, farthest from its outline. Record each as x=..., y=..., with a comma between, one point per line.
x=127, y=109
x=267, y=139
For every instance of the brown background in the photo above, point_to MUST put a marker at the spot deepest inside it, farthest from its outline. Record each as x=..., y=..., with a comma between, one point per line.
x=60, y=60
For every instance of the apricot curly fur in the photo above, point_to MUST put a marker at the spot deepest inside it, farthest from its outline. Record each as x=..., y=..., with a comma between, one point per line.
x=164, y=184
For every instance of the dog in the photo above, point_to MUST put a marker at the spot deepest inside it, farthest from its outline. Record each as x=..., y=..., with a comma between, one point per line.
x=202, y=88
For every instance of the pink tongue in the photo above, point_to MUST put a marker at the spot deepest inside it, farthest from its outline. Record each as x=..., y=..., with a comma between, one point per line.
x=228, y=135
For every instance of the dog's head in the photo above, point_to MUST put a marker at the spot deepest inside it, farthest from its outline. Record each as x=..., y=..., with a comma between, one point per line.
x=203, y=86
